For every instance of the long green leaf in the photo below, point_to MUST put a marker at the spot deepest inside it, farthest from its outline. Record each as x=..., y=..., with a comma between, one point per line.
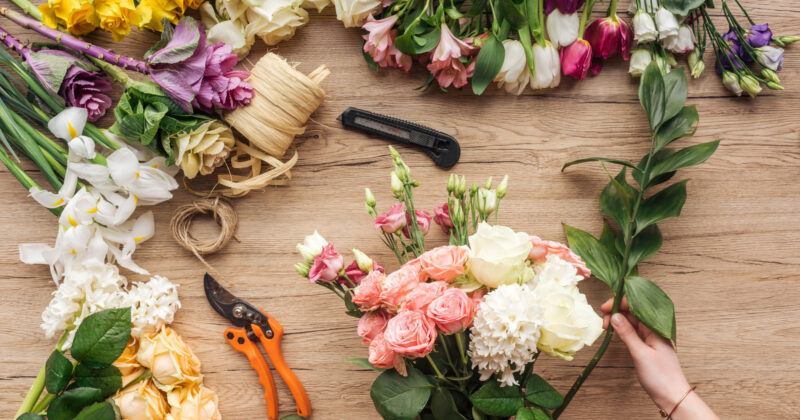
x=603, y=262
x=496, y=400
x=667, y=203
x=677, y=127
x=488, y=64
x=650, y=305
x=398, y=397
x=690, y=156
x=644, y=245
x=616, y=200
x=675, y=92
x=651, y=95
x=598, y=159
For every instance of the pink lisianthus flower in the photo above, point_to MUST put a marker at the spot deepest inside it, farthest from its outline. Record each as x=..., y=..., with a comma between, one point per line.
x=411, y=334
x=452, y=311
x=380, y=43
x=326, y=266
x=446, y=65
x=371, y=324
x=355, y=274
x=441, y=215
x=392, y=220
x=576, y=59
x=541, y=249
x=423, y=220
x=367, y=295
x=425, y=293
x=609, y=36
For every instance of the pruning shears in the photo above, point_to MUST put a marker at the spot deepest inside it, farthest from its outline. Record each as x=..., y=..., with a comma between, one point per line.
x=252, y=326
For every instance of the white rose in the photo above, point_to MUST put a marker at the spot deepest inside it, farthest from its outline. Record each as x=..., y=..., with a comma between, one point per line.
x=353, y=12
x=514, y=75
x=569, y=321
x=497, y=255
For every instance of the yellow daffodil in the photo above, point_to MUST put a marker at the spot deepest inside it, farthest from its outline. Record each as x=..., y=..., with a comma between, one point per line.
x=116, y=16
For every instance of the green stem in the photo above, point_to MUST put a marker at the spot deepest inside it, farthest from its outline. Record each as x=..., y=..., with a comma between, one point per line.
x=461, y=349
x=612, y=9
x=436, y=369
x=115, y=72
x=43, y=403
x=33, y=394
x=28, y=8
x=443, y=342
x=587, y=12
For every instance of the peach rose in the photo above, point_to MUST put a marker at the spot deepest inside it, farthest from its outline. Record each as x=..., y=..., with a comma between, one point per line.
x=171, y=361
x=400, y=283
x=419, y=298
x=195, y=402
x=371, y=324
x=127, y=363
x=411, y=334
x=445, y=263
x=393, y=220
x=141, y=401
x=452, y=311
x=541, y=249
x=367, y=295
x=380, y=353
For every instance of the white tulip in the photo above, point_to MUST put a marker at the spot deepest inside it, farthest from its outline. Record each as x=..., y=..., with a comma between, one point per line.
x=514, y=74
x=644, y=28
x=681, y=43
x=667, y=23
x=640, y=59
x=562, y=29
x=548, y=67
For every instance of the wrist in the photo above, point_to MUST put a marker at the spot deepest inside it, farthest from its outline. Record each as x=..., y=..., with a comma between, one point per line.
x=669, y=396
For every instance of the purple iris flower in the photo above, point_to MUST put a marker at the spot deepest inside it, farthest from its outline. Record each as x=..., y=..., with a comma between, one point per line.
x=758, y=35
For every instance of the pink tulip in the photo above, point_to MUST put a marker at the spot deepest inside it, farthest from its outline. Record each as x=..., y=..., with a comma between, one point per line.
x=576, y=59
x=609, y=36
x=446, y=65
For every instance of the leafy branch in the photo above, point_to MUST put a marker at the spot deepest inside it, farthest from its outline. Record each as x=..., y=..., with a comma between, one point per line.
x=614, y=256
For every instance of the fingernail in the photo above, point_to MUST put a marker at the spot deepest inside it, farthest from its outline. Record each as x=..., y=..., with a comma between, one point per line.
x=616, y=319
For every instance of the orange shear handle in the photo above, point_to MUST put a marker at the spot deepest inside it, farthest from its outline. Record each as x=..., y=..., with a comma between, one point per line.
x=237, y=338
x=273, y=347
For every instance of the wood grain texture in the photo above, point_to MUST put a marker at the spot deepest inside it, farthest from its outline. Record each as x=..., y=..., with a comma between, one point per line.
x=730, y=262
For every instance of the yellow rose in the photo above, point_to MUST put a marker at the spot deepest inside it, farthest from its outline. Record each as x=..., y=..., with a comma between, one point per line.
x=127, y=363
x=77, y=16
x=169, y=359
x=141, y=401
x=116, y=16
x=193, y=4
x=193, y=403
x=204, y=148
x=152, y=11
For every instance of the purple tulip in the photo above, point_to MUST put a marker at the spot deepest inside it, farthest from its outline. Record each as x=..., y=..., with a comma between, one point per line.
x=86, y=89
x=758, y=35
x=566, y=7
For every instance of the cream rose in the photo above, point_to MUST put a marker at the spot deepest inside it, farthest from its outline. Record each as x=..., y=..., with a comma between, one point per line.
x=141, y=401
x=569, y=321
x=203, y=149
x=127, y=363
x=497, y=255
x=195, y=402
x=172, y=362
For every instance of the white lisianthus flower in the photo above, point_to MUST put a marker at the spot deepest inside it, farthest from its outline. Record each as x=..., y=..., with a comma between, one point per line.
x=640, y=59
x=731, y=82
x=153, y=304
x=647, y=5
x=497, y=255
x=562, y=29
x=644, y=28
x=770, y=57
x=554, y=270
x=505, y=332
x=312, y=246
x=569, y=322
x=548, y=66
x=514, y=74
x=353, y=12
x=681, y=43
x=667, y=23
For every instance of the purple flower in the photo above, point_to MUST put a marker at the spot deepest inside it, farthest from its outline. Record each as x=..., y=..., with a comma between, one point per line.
x=180, y=64
x=221, y=86
x=758, y=35
x=735, y=55
x=86, y=89
x=566, y=7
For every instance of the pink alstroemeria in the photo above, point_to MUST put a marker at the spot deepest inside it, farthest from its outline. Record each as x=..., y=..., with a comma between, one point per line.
x=380, y=43
x=609, y=36
x=446, y=65
x=576, y=59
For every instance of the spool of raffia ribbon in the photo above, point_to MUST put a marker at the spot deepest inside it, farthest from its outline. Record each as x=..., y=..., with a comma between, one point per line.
x=223, y=215
x=283, y=100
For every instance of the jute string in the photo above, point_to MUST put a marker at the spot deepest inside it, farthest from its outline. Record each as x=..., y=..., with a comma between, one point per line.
x=223, y=215
x=282, y=104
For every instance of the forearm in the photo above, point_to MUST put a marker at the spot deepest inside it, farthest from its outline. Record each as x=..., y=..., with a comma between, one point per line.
x=693, y=408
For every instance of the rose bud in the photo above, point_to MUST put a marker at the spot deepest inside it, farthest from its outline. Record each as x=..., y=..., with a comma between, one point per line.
x=609, y=36
x=576, y=59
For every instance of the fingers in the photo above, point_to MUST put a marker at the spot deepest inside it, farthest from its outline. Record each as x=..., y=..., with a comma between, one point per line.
x=628, y=334
x=609, y=304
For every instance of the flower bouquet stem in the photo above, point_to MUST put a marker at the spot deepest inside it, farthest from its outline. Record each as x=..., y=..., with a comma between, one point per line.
x=31, y=403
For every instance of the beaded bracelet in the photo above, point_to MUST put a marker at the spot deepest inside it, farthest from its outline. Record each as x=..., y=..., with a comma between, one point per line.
x=669, y=416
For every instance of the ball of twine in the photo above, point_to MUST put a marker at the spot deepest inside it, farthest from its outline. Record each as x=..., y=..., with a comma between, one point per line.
x=224, y=215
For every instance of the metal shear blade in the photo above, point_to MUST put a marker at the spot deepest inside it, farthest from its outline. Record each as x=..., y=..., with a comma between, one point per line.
x=237, y=311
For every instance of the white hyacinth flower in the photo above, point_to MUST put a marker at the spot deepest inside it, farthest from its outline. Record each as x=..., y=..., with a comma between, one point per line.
x=153, y=304
x=554, y=269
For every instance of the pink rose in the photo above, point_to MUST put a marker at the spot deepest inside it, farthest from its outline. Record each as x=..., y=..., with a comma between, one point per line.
x=444, y=263
x=355, y=274
x=392, y=220
x=400, y=283
x=367, y=295
x=411, y=334
x=423, y=221
x=419, y=298
x=452, y=311
x=478, y=297
x=541, y=249
x=441, y=215
x=326, y=265
x=380, y=353
x=371, y=324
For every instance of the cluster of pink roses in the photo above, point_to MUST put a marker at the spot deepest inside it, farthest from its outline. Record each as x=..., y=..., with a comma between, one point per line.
x=407, y=309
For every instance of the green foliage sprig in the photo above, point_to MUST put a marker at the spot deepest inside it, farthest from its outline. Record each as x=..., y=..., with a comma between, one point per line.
x=614, y=256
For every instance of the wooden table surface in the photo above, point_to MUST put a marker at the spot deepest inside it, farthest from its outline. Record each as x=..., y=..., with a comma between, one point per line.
x=729, y=262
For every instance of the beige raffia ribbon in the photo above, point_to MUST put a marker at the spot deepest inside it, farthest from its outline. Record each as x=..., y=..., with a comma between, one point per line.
x=283, y=101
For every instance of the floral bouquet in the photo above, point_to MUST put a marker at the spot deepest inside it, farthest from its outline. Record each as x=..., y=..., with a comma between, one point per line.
x=458, y=328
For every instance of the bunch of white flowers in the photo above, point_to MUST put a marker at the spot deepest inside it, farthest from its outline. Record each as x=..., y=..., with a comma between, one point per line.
x=153, y=304
x=555, y=269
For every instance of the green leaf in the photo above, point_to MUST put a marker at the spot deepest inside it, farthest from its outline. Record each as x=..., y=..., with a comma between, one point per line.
x=398, y=397
x=667, y=203
x=496, y=400
x=514, y=14
x=108, y=379
x=532, y=413
x=603, y=262
x=677, y=127
x=645, y=245
x=67, y=405
x=675, y=92
x=541, y=393
x=98, y=411
x=609, y=238
x=30, y=416
x=102, y=337
x=488, y=64
x=650, y=305
x=655, y=159
x=598, y=159
x=651, y=94
x=682, y=7
x=58, y=371
x=616, y=200
x=690, y=156
x=364, y=362
x=443, y=405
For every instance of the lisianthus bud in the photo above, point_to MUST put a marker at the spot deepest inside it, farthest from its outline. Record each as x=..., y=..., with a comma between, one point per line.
x=462, y=186
x=750, y=85
x=663, y=64
x=644, y=28
x=397, y=185
x=203, y=149
x=302, y=269
x=502, y=189
x=364, y=262
x=473, y=189
x=311, y=247
x=370, y=198
x=400, y=167
x=171, y=361
x=696, y=64
x=788, y=39
x=458, y=215
x=451, y=183
x=774, y=86
x=771, y=76
x=731, y=82
x=488, y=183
x=770, y=57
x=640, y=58
x=487, y=200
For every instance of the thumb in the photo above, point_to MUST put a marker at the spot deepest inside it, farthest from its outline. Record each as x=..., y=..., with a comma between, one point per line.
x=628, y=334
